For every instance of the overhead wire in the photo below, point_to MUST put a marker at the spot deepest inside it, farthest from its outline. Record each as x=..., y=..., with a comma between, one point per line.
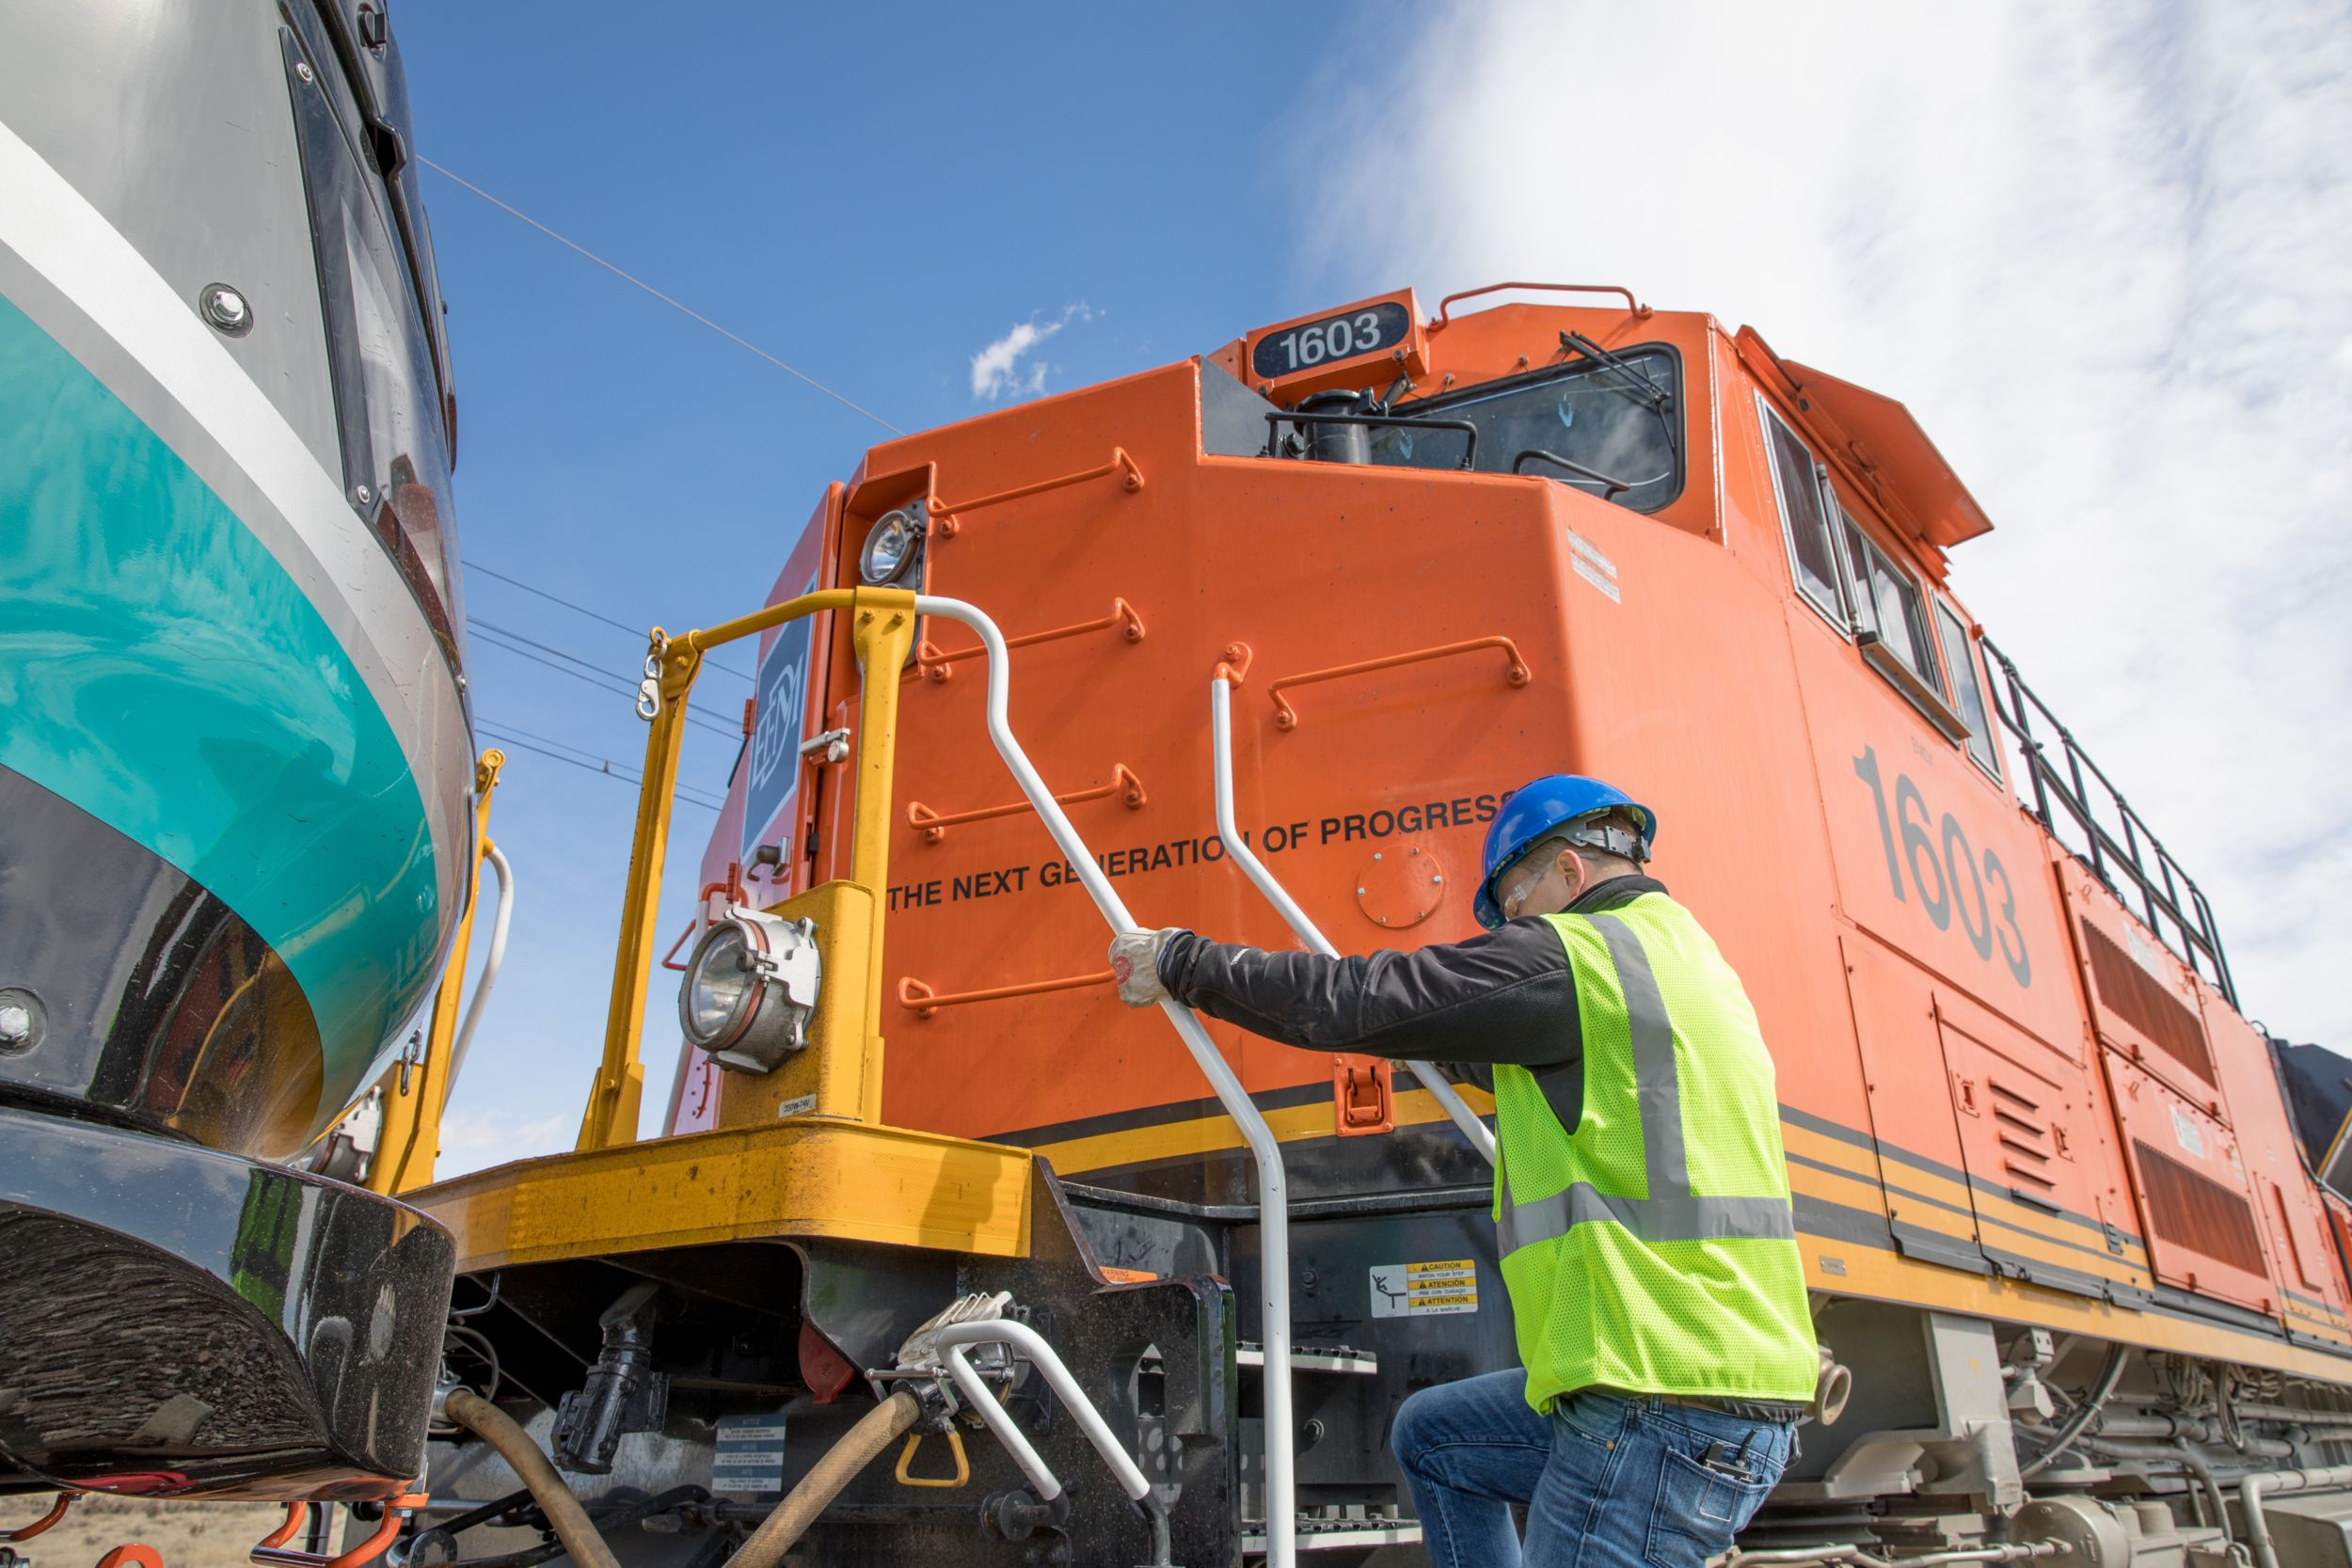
x=634, y=280
x=602, y=767
x=558, y=659
x=699, y=793
x=582, y=670
x=709, y=662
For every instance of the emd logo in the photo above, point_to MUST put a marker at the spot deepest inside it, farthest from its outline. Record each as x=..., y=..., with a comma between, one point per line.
x=771, y=741
x=772, y=771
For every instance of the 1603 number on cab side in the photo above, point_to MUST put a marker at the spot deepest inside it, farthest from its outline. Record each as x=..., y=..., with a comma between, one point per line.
x=1946, y=874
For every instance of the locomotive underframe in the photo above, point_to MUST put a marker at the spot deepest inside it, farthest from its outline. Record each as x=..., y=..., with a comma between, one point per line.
x=1948, y=1414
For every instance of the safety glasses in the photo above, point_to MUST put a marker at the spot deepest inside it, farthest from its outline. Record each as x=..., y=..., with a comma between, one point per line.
x=1520, y=878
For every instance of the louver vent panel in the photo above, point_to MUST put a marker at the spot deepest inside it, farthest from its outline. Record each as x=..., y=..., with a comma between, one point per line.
x=2140, y=1000
x=2197, y=1213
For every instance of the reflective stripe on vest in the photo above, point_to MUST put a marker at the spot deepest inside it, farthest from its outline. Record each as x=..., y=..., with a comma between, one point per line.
x=1670, y=1213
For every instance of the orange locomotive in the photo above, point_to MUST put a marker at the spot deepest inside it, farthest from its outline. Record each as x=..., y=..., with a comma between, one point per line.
x=2049, y=1194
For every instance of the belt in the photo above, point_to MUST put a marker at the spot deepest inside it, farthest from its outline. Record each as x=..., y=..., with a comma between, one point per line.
x=1767, y=1411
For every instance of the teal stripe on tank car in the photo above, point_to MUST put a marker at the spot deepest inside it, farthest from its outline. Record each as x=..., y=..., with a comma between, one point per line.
x=160, y=670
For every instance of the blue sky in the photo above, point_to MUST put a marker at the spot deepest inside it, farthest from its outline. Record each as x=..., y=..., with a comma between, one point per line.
x=2141, y=208
x=875, y=198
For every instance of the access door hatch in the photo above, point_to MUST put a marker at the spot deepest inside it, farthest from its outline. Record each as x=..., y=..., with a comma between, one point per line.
x=1930, y=1211
x=2293, y=1221
x=2196, y=1208
x=2028, y=1138
x=2144, y=1000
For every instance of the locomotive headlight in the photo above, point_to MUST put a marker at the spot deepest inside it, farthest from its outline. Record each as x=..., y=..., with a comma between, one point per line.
x=890, y=547
x=749, y=989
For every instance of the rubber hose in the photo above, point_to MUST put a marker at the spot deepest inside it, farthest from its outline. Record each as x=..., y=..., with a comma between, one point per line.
x=875, y=1431
x=548, y=1489
x=2083, y=1418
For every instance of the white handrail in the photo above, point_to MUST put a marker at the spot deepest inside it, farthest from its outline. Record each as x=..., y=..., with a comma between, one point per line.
x=955, y=1339
x=491, y=962
x=1480, y=1137
x=1273, y=1190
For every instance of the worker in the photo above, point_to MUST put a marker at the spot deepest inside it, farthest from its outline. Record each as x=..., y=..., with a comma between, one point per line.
x=1641, y=1196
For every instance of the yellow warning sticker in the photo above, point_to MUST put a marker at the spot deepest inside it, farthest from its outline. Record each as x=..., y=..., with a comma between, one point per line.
x=1424, y=1290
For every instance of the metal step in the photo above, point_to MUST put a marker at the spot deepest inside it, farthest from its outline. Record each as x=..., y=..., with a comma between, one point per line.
x=1319, y=1534
x=1318, y=1358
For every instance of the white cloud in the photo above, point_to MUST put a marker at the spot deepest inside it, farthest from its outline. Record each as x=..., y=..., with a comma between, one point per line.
x=473, y=1140
x=996, y=370
x=2100, y=252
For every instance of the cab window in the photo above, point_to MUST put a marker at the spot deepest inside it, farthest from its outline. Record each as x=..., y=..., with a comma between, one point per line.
x=1887, y=608
x=1607, y=425
x=1804, y=521
x=1968, y=697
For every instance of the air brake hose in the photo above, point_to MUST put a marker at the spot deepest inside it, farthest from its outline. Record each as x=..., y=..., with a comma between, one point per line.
x=537, y=1472
x=875, y=1431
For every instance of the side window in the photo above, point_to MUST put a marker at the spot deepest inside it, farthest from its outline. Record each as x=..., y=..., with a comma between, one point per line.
x=389, y=412
x=1968, y=697
x=1812, y=552
x=1888, y=605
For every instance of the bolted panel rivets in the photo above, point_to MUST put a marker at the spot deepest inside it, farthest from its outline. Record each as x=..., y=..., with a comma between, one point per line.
x=225, y=310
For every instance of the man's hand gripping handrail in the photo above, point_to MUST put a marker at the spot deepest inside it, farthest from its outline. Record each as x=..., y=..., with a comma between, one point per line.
x=1480, y=1137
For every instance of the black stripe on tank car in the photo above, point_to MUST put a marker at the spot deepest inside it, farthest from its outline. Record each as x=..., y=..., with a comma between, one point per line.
x=1155, y=1116
x=1848, y=1135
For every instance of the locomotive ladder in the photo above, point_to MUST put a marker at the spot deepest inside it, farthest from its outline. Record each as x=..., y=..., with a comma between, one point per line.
x=1264, y=1153
x=1273, y=1190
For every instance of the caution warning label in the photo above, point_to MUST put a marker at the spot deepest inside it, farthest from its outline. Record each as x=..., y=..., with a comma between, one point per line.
x=1424, y=1290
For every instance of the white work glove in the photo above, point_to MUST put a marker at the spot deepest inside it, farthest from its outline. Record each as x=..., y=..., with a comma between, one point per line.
x=1135, y=965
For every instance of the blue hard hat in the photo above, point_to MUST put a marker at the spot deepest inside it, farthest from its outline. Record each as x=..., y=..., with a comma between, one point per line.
x=1537, y=808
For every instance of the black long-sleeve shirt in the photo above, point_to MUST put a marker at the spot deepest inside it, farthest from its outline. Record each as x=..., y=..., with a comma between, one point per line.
x=1505, y=996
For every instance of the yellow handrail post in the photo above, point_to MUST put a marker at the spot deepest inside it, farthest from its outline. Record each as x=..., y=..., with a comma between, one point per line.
x=612, y=1115
x=882, y=634
x=408, y=1139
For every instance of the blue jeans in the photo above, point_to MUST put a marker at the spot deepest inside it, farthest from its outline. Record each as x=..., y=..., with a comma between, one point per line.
x=1608, y=1481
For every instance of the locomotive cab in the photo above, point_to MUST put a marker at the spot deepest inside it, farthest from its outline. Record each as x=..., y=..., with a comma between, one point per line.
x=1263, y=640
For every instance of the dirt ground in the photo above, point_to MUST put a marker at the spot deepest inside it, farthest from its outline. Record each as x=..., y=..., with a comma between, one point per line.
x=188, y=1535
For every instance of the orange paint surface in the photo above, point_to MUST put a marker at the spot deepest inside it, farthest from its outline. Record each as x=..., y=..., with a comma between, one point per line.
x=1915, y=944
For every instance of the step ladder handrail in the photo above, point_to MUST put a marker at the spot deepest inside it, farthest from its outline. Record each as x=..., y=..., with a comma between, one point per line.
x=1264, y=1153
x=496, y=859
x=1237, y=849
x=957, y=1338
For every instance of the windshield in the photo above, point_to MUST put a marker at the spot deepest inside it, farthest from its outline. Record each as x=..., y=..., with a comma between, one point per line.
x=1610, y=427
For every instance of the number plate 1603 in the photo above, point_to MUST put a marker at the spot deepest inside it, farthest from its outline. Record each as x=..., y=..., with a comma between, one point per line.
x=1366, y=329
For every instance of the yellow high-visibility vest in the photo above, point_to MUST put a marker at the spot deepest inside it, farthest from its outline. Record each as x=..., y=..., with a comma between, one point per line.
x=1653, y=1249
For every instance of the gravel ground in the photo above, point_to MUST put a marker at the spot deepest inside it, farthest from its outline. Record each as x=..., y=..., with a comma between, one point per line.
x=189, y=1535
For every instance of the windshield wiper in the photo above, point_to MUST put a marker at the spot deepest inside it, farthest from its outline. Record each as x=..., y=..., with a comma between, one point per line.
x=1642, y=389
x=1610, y=487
